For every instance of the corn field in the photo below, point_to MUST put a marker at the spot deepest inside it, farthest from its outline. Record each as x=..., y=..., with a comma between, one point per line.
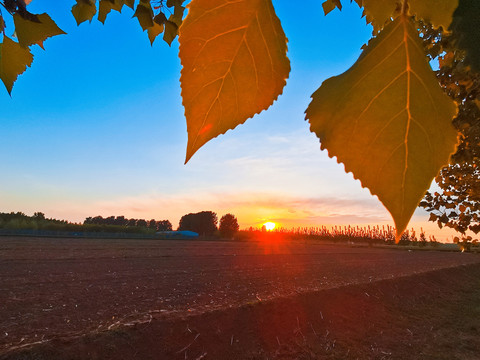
x=370, y=234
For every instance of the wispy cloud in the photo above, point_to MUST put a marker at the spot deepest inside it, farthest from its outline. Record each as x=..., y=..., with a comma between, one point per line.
x=251, y=208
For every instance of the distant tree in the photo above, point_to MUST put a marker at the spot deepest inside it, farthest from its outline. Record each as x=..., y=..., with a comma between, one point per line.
x=164, y=225
x=121, y=221
x=203, y=223
x=97, y=220
x=39, y=216
x=228, y=225
x=141, y=223
x=152, y=224
x=132, y=222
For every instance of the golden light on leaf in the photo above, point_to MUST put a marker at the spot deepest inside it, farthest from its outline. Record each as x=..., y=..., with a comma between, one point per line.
x=235, y=65
x=388, y=120
x=269, y=226
x=14, y=59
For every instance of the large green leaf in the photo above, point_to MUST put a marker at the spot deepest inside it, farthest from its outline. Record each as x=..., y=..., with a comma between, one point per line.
x=14, y=60
x=234, y=65
x=36, y=31
x=387, y=120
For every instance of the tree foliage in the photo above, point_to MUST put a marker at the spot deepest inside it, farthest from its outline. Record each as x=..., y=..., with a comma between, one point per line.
x=160, y=225
x=386, y=118
x=119, y=224
x=204, y=223
x=228, y=225
x=457, y=202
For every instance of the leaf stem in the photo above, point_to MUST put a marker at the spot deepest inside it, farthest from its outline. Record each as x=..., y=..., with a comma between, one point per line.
x=404, y=7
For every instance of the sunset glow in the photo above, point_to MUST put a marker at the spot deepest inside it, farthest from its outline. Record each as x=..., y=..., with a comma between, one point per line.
x=269, y=226
x=268, y=171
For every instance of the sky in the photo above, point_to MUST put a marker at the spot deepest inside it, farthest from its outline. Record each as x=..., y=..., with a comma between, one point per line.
x=96, y=127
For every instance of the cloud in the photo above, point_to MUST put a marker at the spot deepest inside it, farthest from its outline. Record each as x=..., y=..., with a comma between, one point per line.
x=251, y=208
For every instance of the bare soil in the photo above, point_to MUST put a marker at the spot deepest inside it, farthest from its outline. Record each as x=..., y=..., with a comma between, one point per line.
x=151, y=299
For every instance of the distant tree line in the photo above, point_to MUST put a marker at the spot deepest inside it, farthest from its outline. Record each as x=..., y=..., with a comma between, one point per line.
x=204, y=223
x=162, y=225
x=19, y=220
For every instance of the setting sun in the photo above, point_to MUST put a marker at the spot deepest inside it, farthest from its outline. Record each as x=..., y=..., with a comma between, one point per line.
x=269, y=226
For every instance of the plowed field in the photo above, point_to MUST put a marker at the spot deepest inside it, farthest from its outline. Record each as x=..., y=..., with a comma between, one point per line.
x=73, y=297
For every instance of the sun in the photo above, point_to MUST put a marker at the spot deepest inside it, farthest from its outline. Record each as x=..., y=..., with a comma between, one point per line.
x=269, y=226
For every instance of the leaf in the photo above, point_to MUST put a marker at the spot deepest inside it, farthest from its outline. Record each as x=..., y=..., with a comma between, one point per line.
x=160, y=18
x=14, y=60
x=172, y=24
x=32, y=32
x=234, y=65
x=378, y=13
x=330, y=5
x=171, y=3
x=388, y=120
x=130, y=3
x=466, y=31
x=144, y=14
x=2, y=24
x=177, y=16
x=154, y=31
x=437, y=12
x=84, y=10
x=171, y=31
x=105, y=6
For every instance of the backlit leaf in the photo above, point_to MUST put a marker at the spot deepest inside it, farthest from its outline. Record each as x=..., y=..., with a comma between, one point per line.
x=330, y=5
x=160, y=18
x=387, y=120
x=84, y=10
x=144, y=14
x=154, y=31
x=378, y=13
x=171, y=31
x=234, y=65
x=130, y=3
x=177, y=16
x=437, y=12
x=105, y=6
x=171, y=3
x=35, y=32
x=14, y=60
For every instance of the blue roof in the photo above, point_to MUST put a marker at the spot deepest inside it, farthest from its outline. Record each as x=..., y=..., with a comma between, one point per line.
x=178, y=234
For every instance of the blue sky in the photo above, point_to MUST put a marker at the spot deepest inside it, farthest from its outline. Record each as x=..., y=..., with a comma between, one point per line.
x=96, y=127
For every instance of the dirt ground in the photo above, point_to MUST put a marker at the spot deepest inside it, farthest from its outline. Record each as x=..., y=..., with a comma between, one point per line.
x=150, y=299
